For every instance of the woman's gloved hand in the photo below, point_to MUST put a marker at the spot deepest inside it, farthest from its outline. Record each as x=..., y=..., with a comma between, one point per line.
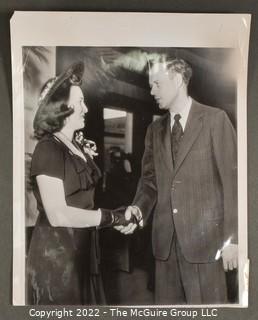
x=112, y=218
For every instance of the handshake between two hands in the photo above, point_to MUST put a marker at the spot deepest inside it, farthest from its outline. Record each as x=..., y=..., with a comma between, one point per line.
x=123, y=219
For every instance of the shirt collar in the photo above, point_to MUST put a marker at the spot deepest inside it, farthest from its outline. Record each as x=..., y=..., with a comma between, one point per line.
x=183, y=113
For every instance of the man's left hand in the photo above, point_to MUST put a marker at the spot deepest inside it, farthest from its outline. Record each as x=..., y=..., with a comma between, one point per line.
x=230, y=257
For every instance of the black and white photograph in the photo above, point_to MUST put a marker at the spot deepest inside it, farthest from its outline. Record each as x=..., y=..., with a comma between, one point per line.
x=130, y=173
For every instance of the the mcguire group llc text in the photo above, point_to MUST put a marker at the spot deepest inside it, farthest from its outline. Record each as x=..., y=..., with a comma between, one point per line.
x=65, y=312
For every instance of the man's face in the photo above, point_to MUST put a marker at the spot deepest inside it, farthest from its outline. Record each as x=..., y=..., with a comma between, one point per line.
x=164, y=85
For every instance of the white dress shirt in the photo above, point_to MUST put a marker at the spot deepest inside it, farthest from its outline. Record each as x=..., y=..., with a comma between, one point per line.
x=184, y=112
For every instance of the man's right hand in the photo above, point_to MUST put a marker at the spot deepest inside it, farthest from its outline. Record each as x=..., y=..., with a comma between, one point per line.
x=129, y=213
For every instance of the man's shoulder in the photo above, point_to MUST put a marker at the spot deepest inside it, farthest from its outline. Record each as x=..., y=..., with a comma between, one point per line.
x=207, y=110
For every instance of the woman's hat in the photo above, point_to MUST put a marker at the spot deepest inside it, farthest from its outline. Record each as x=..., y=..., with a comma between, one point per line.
x=74, y=74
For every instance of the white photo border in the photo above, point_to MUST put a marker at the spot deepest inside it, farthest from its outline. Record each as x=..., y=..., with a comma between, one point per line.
x=126, y=29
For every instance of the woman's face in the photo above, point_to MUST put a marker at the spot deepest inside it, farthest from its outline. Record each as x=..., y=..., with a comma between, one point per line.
x=76, y=101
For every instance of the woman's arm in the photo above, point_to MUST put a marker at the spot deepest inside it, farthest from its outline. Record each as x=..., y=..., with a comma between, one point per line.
x=58, y=212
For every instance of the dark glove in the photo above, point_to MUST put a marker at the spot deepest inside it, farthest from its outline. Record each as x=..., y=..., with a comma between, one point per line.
x=111, y=218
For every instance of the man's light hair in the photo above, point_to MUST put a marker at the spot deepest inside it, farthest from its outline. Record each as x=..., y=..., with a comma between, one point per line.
x=172, y=65
x=182, y=67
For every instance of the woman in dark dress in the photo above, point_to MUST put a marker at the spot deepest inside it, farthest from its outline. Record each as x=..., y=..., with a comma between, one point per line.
x=62, y=261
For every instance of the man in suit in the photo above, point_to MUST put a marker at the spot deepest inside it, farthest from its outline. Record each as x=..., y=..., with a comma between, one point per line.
x=189, y=184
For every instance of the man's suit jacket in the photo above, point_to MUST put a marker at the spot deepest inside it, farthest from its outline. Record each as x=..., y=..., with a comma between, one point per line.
x=197, y=197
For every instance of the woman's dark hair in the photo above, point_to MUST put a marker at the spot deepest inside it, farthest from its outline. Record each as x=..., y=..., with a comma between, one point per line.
x=53, y=108
x=56, y=110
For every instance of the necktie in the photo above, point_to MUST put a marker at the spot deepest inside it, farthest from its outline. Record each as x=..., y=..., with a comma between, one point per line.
x=176, y=135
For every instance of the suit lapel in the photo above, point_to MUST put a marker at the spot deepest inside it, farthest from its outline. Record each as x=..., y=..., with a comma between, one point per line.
x=192, y=129
x=164, y=141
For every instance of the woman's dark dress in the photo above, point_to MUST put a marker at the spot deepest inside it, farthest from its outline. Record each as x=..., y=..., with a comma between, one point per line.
x=62, y=263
